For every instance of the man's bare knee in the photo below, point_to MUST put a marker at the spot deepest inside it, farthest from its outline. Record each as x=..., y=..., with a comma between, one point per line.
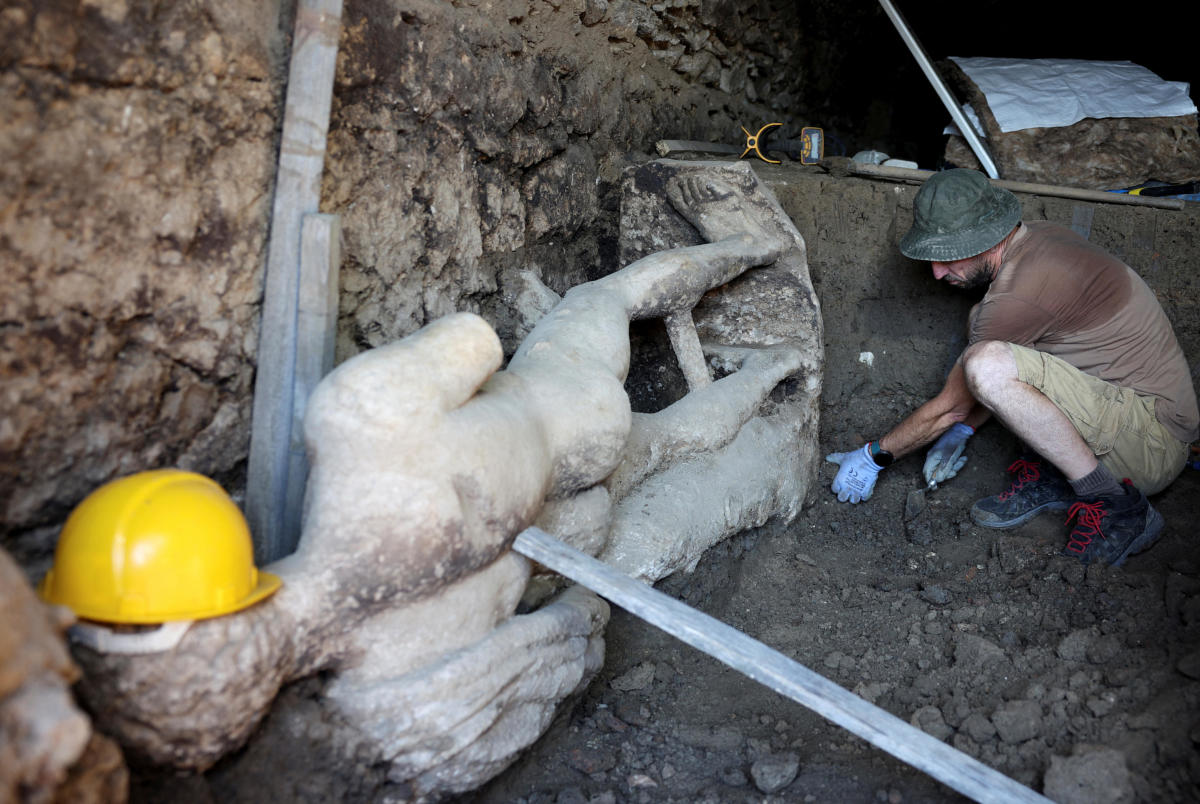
x=987, y=364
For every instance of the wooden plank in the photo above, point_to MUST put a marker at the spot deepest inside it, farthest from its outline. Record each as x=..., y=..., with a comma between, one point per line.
x=297, y=192
x=1078, y=193
x=784, y=675
x=667, y=147
x=316, y=331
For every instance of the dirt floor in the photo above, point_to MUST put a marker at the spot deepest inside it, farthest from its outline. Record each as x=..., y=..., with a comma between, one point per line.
x=990, y=640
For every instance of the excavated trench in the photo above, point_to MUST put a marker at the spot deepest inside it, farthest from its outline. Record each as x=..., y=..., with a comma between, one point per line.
x=1082, y=683
x=135, y=348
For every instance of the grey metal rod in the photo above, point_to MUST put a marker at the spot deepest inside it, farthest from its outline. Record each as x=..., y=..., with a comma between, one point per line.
x=297, y=192
x=784, y=675
x=943, y=92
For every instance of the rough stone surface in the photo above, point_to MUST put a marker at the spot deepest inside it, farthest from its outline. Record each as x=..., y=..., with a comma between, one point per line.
x=1096, y=154
x=136, y=157
x=471, y=139
x=1098, y=776
x=1018, y=721
x=773, y=773
x=48, y=750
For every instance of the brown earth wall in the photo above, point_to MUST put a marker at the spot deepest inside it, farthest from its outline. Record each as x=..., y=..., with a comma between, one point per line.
x=468, y=140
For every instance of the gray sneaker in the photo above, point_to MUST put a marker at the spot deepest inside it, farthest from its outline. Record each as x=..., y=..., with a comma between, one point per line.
x=1038, y=487
x=1111, y=529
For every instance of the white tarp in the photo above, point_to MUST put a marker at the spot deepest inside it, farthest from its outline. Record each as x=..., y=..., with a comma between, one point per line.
x=972, y=118
x=1037, y=93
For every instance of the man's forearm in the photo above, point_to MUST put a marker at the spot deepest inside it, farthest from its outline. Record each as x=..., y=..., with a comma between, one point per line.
x=923, y=425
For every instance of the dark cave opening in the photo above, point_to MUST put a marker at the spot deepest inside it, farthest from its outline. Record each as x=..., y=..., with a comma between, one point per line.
x=868, y=91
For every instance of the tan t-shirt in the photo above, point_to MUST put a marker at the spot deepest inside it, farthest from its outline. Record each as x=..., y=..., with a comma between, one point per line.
x=1059, y=294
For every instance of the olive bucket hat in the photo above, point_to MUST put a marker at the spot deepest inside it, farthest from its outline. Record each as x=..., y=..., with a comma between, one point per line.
x=958, y=214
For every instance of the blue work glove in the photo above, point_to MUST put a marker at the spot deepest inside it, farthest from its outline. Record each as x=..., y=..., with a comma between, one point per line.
x=856, y=479
x=945, y=457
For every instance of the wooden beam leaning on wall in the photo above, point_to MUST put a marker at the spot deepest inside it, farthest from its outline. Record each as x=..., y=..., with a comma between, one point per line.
x=297, y=194
x=844, y=166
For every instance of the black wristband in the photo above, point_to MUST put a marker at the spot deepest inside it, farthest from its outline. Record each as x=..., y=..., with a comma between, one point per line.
x=881, y=456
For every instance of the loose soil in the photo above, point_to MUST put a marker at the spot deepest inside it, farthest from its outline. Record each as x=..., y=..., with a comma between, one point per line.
x=990, y=640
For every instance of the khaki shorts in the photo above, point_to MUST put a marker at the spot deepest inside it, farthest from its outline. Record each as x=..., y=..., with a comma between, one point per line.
x=1120, y=426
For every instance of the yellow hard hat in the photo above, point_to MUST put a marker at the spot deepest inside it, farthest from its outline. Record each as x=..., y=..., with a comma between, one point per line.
x=155, y=547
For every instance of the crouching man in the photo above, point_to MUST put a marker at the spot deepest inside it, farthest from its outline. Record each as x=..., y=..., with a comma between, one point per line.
x=1070, y=350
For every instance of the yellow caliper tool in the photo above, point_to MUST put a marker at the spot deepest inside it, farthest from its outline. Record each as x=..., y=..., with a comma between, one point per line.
x=752, y=141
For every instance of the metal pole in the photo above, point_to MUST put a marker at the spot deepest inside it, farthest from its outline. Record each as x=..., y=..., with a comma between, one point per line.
x=297, y=193
x=943, y=92
x=768, y=666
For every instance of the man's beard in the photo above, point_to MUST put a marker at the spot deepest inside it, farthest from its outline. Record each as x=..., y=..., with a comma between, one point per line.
x=979, y=278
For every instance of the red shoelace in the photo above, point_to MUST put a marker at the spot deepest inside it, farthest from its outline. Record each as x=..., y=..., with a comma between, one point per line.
x=1090, y=515
x=1026, y=471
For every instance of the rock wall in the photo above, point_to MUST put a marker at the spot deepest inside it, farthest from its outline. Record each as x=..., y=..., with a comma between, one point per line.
x=469, y=141
x=136, y=158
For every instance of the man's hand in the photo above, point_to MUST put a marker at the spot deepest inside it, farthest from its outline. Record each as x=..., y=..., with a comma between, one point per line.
x=856, y=479
x=945, y=457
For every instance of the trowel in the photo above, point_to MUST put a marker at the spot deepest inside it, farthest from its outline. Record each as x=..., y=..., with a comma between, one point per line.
x=914, y=503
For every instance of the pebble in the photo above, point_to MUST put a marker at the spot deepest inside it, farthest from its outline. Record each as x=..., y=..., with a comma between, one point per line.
x=1099, y=776
x=1018, y=721
x=935, y=594
x=1103, y=650
x=975, y=653
x=773, y=773
x=595, y=11
x=1074, y=646
x=930, y=720
x=636, y=678
x=605, y=720
x=978, y=727
x=592, y=760
x=571, y=795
